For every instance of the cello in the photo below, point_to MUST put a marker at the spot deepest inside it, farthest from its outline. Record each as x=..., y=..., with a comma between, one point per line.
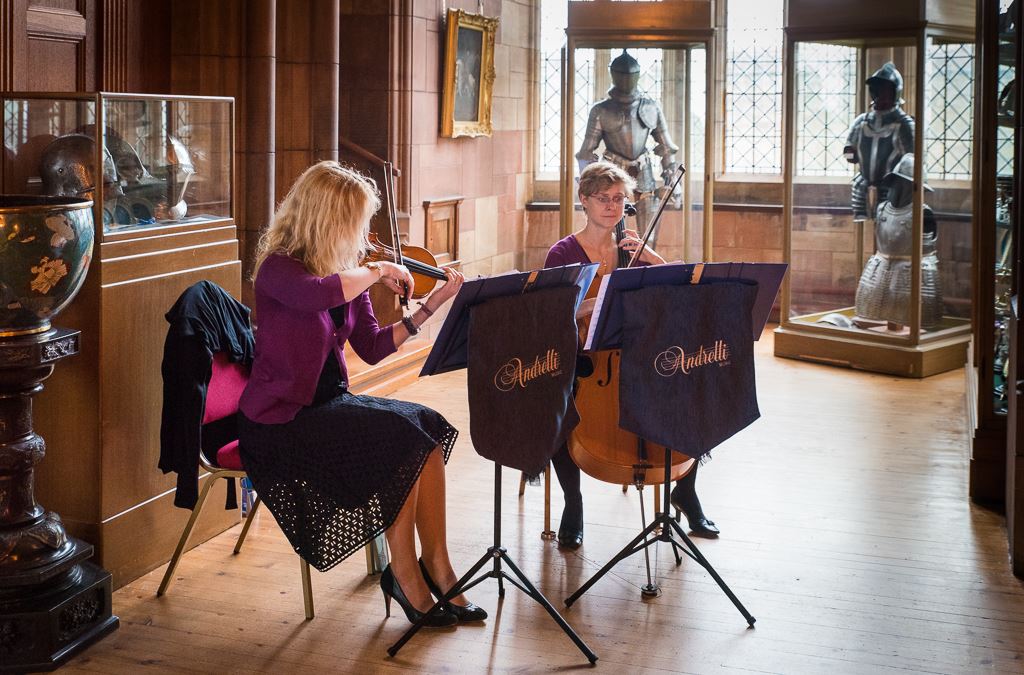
x=598, y=445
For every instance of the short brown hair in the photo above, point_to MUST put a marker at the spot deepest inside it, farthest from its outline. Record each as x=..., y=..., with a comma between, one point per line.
x=599, y=176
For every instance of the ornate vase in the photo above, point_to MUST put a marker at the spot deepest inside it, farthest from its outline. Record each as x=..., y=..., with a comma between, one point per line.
x=45, y=250
x=53, y=601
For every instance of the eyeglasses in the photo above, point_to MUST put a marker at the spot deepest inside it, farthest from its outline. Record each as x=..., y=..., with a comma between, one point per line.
x=605, y=200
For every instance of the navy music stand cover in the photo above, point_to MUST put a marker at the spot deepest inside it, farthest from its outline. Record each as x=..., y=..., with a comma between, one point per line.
x=606, y=324
x=451, y=348
x=686, y=332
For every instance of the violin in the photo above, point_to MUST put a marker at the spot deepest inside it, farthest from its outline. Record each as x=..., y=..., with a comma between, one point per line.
x=598, y=445
x=419, y=261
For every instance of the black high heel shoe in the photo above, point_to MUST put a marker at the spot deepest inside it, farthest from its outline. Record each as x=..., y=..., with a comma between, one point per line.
x=389, y=585
x=463, y=613
x=698, y=523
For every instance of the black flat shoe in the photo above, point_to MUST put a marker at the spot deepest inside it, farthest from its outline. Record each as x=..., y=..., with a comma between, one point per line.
x=570, y=528
x=463, y=613
x=699, y=524
x=389, y=585
x=570, y=537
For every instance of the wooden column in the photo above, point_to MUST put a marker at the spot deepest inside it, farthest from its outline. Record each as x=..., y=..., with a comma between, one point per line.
x=257, y=157
x=326, y=47
x=114, y=45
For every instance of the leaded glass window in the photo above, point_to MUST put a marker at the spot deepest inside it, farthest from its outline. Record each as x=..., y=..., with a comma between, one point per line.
x=553, y=17
x=950, y=77
x=826, y=105
x=753, y=91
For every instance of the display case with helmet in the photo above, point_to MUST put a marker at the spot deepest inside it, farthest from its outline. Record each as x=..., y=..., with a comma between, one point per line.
x=639, y=91
x=147, y=161
x=877, y=171
x=159, y=170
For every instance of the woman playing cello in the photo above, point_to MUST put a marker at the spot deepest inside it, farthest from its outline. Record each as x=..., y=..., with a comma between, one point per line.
x=603, y=190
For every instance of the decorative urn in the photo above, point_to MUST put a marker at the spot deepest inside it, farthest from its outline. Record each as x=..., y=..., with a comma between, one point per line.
x=45, y=249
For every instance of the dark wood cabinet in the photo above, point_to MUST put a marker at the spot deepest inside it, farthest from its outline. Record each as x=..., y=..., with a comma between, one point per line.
x=996, y=380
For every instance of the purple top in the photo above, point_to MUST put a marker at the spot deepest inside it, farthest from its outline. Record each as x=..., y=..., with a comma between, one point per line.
x=296, y=333
x=566, y=252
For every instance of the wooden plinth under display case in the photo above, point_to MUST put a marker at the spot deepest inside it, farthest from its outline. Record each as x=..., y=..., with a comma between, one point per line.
x=159, y=170
x=878, y=235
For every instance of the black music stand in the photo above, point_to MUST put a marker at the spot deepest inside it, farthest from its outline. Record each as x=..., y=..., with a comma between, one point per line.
x=606, y=333
x=450, y=352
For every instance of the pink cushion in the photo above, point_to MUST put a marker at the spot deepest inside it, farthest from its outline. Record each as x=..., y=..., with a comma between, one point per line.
x=228, y=457
x=227, y=381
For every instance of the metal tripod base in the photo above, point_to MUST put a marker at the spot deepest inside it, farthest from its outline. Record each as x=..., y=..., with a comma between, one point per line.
x=669, y=529
x=498, y=555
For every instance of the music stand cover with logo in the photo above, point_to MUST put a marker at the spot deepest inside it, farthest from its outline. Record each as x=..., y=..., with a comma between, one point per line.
x=687, y=373
x=606, y=324
x=520, y=374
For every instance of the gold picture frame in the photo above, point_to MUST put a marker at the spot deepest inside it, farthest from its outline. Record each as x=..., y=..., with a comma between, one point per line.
x=468, y=74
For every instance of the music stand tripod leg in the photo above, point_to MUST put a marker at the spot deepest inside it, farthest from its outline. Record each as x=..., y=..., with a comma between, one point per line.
x=668, y=525
x=695, y=553
x=497, y=554
x=639, y=543
x=532, y=591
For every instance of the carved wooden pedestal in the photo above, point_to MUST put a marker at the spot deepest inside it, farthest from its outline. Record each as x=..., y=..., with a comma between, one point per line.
x=53, y=602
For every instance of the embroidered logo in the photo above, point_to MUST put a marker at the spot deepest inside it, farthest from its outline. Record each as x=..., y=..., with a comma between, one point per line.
x=675, y=359
x=519, y=373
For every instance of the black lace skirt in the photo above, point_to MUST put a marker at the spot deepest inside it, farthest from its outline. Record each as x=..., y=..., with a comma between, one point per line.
x=337, y=475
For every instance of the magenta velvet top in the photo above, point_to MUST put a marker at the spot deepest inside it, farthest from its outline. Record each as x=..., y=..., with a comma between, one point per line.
x=295, y=334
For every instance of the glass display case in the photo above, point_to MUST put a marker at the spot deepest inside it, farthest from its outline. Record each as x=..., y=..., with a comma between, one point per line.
x=148, y=162
x=879, y=237
x=648, y=126
x=997, y=448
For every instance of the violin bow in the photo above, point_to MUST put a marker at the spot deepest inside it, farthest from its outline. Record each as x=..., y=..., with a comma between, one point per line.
x=389, y=194
x=680, y=170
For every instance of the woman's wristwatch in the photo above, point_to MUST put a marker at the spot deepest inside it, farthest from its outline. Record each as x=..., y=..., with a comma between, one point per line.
x=375, y=266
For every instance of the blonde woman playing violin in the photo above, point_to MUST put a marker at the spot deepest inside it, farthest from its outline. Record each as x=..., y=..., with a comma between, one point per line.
x=337, y=469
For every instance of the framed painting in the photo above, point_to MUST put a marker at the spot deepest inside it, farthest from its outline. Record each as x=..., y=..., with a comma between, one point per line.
x=468, y=74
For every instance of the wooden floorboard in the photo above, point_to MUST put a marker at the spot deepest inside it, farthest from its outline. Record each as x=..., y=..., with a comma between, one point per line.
x=847, y=532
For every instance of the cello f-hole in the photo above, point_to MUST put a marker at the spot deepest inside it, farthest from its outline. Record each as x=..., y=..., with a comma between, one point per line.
x=606, y=380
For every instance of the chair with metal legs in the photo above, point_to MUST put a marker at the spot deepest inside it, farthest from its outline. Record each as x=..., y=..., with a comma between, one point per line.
x=227, y=382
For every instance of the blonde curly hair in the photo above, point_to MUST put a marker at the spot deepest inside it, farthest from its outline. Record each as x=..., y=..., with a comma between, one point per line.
x=324, y=220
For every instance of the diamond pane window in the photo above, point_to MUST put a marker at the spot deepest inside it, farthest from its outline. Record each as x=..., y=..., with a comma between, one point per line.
x=753, y=99
x=950, y=74
x=828, y=99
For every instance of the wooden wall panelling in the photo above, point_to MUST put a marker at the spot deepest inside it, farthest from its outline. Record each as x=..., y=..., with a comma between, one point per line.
x=293, y=93
x=326, y=51
x=441, y=227
x=61, y=46
x=135, y=46
x=13, y=44
x=114, y=45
